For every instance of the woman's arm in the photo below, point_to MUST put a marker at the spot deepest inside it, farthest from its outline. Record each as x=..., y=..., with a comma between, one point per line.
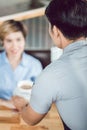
x=7, y=103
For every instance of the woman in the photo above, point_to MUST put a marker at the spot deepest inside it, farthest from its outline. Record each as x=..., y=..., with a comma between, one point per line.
x=15, y=64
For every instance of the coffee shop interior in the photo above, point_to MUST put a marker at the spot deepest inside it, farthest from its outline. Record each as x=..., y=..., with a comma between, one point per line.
x=38, y=44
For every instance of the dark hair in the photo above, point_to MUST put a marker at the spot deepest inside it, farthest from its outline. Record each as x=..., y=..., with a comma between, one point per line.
x=70, y=16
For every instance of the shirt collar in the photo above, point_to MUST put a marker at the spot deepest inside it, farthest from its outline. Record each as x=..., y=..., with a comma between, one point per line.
x=24, y=61
x=75, y=45
x=4, y=58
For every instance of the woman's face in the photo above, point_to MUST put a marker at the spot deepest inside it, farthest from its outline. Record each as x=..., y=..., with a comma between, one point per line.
x=14, y=44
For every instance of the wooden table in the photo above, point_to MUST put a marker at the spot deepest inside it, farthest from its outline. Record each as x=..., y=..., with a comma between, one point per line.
x=13, y=121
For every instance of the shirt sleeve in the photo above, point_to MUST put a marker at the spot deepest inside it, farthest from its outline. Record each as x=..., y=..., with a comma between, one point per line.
x=42, y=94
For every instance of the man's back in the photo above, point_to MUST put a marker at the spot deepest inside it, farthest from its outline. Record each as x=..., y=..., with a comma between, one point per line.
x=64, y=82
x=72, y=103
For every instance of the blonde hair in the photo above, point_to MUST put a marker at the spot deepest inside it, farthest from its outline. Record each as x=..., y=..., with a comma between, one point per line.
x=10, y=26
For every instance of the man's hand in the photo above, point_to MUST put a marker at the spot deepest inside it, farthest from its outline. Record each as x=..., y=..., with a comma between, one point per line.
x=19, y=102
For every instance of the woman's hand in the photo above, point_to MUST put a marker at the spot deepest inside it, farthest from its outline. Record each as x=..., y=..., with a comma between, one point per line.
x=19, y=102
x=7, y=103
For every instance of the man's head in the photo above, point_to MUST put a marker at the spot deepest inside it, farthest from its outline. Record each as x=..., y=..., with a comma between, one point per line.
x=69, y=16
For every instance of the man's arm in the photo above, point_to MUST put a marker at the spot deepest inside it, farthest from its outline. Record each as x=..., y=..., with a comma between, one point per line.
x=28, y=114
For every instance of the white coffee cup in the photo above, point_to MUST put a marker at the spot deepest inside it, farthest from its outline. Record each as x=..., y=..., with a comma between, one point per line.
x=23, y=89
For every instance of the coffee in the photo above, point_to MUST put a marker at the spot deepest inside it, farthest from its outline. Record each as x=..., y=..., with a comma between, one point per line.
x=26, y=87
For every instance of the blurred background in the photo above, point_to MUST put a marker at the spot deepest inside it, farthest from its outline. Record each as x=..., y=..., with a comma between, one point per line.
x=38, y=36
x=40, y=40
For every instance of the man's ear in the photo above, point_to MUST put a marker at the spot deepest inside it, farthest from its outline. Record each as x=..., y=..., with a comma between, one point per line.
x=55, y=31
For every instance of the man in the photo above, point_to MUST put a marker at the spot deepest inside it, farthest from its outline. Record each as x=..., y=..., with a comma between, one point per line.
x=64, y=81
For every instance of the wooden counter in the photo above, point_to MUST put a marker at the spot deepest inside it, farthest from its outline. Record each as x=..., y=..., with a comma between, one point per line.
x=52, y=121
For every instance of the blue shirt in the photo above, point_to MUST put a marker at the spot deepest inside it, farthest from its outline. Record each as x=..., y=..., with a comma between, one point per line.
x=64, y=82
x=28, y=69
